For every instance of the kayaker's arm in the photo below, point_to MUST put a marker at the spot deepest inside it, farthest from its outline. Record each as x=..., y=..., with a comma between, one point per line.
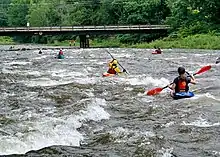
x=192, y=80
x=117, y=69
x=172, y=86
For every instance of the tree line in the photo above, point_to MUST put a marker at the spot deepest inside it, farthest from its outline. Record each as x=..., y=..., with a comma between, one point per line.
x=185, y=16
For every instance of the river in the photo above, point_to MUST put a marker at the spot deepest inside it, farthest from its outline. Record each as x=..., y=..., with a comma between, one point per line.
x=65, y=107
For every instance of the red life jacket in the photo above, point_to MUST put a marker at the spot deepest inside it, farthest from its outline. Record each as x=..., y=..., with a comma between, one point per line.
x=60, y=52
x=182, y=85
x=111, y=71
x=158, y=51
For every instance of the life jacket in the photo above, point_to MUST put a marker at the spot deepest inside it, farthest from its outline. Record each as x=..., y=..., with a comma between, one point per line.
x=60, y=52
x=112, y=67
x=181, y=85
x=158, y=51
x=111, y=71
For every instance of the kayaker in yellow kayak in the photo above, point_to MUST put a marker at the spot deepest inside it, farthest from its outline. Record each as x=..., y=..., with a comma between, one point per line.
x=113, y=67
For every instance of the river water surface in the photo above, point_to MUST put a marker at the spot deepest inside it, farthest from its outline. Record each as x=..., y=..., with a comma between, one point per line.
x=65, y=107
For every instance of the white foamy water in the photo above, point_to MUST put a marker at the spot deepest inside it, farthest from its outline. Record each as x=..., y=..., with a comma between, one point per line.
x=40, y=57
x=147, y=81
x=18, y=63
x=86, y=80
x=44, y=82
x=165, y=152
x=125, y=134
x=65, y=74
x=121, y=55
x=205, y=95
x=201, y=123
x=46, y=131
x=95, y=111
x=172, y=58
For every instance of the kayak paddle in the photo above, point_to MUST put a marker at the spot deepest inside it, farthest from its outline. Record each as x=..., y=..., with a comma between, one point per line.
x=158, y=90
x=118, y=62
x=203, y=69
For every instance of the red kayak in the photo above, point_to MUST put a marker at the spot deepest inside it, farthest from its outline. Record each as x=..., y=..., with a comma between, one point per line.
x=156, y=52
x=107, y=74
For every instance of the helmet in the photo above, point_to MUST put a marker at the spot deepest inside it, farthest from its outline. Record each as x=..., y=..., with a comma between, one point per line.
x=115, y=61
x=181, y=70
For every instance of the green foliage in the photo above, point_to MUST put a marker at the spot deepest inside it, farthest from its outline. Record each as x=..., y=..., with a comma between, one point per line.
x=107, y=42
x=187, y=17
x=17, y=12
x=144, y=12
x=4, y=4
x=137, y=38
x=196, y=28
x=6, y=40
x=199, y=41
x=190, y=14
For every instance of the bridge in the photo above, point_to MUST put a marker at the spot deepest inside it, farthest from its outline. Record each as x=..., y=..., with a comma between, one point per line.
x=84, y=31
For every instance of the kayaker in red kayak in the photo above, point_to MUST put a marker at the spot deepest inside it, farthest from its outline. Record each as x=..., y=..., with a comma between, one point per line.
x=113, y=67
x=181, y=83
x=157, y=51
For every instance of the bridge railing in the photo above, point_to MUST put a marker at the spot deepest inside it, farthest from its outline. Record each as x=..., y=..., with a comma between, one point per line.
x=85, y=28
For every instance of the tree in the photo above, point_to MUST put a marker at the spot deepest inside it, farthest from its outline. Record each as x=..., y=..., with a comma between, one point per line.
x=4, y=4
x=17, y=12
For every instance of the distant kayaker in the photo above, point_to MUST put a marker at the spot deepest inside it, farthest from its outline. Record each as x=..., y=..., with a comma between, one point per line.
x=218, y=60
x=158, y=50
x=181, y=83
x=60, y=52
x=40, y=52
x=113, y=67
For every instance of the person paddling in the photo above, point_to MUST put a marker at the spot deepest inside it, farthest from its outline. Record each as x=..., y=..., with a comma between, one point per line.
x=60, y=52
x=113, y=67
x=40, y=52
x=218, y=60
x=158, y=50
x=181, y=83
x=60, y=55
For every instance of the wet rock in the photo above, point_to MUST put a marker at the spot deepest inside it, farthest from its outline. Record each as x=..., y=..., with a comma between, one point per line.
x=103, y=139
x=184, y=129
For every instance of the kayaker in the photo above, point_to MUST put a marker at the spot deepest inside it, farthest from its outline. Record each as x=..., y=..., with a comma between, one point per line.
x=60, y=52
x=218, y=60
x=40, y=52
x=60, y=55
x=113, y=67
x=181, y=83
x=158, y=50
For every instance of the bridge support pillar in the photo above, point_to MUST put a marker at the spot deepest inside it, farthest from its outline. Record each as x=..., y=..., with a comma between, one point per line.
x=84, y=41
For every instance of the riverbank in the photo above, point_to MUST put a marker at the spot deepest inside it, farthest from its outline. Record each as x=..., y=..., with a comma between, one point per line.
x=199, y=41
x=4, y=40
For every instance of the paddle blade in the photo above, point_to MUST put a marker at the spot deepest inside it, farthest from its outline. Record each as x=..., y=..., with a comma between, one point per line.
x=154, y=91
x=203, y=69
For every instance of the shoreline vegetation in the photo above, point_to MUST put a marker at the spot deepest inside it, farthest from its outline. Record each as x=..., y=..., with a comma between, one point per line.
x=198, y=41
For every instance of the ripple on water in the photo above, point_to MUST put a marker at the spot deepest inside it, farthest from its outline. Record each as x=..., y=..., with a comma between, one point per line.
x=45, y=102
